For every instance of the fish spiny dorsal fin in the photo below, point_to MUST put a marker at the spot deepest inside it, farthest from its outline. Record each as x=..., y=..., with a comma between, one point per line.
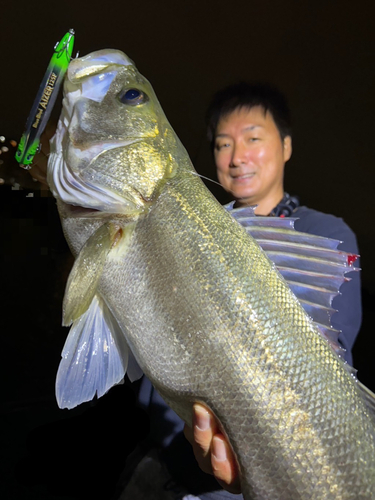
x=314, y=270
x=311, y=265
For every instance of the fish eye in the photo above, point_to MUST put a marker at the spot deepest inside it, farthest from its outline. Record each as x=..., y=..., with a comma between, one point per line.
x=133, y=97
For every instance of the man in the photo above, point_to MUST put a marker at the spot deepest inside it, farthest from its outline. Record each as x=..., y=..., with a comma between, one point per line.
x=250, y=133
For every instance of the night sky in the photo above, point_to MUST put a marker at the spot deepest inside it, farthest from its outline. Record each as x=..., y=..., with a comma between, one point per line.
x=320, y=54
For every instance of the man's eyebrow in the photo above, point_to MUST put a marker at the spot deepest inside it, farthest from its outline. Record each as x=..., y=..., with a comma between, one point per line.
x=246, y=129
x=251, y=127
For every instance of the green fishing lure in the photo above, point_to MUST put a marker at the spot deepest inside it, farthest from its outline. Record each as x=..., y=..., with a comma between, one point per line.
x=45, y=100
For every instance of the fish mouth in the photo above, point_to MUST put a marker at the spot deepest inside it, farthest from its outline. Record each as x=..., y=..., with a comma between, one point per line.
x=81, y=212
x=88, y=199
x=87, y=212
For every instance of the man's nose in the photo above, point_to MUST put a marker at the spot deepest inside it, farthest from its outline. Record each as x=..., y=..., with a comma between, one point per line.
x=239, y=155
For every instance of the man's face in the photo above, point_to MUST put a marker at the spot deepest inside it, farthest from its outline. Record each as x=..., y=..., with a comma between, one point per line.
x=250, y=157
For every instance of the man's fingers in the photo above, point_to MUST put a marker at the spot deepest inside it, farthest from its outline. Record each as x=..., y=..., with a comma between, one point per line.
x=224, y=464
x=213, y=453
x=200, y=436
x=204, y=427
x=39, y=172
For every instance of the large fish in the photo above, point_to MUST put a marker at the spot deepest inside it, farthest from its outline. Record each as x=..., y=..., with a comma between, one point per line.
x=165, y=275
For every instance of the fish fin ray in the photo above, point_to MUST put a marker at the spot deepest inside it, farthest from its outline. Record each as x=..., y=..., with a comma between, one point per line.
x=312, y=265
x=332, y=336
x=94, y=357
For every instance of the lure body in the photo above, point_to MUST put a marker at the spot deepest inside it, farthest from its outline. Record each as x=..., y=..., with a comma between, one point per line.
x=45, y=100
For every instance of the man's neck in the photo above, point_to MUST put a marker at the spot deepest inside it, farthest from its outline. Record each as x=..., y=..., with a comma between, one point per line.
x=264, y=207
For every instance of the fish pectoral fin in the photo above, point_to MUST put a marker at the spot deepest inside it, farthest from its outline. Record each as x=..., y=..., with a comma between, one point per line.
x=84, y=277
x=94, y=358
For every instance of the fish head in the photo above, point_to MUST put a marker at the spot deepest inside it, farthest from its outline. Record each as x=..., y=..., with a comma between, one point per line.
x=113, y=149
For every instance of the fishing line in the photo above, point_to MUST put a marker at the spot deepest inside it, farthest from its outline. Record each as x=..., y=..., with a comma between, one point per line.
x=214, y=182
x=207, y=178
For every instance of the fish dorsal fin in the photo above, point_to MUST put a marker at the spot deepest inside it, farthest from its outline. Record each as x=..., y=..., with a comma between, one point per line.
x=95, y=357
x=310, y=264
x=314, y=269
x=87, y=270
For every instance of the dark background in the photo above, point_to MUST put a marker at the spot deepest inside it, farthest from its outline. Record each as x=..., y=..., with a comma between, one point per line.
x=321, y=54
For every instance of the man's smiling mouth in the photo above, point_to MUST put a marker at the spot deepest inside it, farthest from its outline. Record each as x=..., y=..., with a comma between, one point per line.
x=239, y=178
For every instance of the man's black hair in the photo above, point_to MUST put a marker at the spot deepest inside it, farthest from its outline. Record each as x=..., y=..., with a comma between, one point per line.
x=248, y=95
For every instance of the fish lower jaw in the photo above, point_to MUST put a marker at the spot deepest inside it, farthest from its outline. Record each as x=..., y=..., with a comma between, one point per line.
x=68, y=210
x=79, y=211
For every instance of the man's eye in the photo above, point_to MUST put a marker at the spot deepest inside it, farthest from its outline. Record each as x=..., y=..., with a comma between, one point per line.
x=222, y=146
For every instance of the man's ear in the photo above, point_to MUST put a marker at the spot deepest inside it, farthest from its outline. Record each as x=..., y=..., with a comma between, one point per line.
x=287, y=143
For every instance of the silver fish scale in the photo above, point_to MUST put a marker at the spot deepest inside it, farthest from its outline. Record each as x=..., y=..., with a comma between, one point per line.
x=210, y=320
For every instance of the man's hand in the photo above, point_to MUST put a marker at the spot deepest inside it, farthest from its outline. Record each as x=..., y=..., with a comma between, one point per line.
x=19, y=178
x=38, y=170
x=211, y=449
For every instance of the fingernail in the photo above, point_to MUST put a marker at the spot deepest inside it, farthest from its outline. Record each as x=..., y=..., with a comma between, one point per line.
x=218, y=449
x=201, y=419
